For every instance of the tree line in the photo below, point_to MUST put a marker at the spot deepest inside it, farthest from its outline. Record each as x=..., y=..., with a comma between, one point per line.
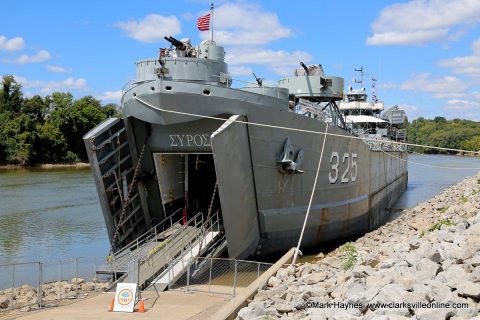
x=439, y=132
x=46, y=129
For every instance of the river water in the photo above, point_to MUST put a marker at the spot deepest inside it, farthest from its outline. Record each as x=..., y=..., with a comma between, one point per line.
x=52, y=214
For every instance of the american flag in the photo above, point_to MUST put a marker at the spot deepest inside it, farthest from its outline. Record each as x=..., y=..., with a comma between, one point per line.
x=203, y=23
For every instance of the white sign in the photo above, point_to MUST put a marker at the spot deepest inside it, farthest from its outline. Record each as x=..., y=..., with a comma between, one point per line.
x=125, y=297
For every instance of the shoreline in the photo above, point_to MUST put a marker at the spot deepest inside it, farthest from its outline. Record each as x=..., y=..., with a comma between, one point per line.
x=45, y=166
x=428, y=255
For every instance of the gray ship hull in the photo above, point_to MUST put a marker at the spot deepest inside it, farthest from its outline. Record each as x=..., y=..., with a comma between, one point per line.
x=262, y=206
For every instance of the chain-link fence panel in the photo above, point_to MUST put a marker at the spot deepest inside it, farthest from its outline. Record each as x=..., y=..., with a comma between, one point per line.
x=20, y=283
x=216, y=275
x=40, y=284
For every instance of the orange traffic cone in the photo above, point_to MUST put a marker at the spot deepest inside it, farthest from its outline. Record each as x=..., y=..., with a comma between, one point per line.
x=110, y=309
x=141, y=307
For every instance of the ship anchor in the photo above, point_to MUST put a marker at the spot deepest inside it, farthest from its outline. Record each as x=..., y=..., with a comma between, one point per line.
x=288, y=162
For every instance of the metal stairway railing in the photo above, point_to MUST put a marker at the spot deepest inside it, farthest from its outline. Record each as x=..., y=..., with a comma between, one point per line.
x=190, y=241
x=118, y=262
x=157, y=251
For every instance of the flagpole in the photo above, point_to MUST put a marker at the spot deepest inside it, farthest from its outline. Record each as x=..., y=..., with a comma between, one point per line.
x=211, y=19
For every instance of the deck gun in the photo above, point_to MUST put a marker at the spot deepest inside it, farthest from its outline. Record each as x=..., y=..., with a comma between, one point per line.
x=179, y=45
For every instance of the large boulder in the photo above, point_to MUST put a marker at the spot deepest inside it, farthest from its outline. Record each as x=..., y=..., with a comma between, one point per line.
x=469, y=289
x=314, y=278
x=77, y=281
x=4, y=302
x=252, y=311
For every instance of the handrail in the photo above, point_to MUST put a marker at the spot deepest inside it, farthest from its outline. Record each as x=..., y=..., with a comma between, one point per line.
x=178, y=231
x=149, y=233
x=199, y=237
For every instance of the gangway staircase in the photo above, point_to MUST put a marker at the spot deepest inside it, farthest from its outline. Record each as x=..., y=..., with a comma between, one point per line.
x=162, y=254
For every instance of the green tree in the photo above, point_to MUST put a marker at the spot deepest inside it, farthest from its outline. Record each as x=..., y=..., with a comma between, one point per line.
x=19, y=135
x=472, y=144
x=11, y=96
x=440, y=132
x=37, y=107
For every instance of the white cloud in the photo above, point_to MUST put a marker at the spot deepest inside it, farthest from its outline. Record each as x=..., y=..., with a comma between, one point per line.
x=240, y=71
x=443, y=87
x=151, y=28
x=40, y=56
x=387, y=85
x=110, y=96
x=281, y=62
x=56, y=69
x=13, y=44
x=469, y=65
x=188, y=16
x=47, y=87
x=418, y=22
x=246, y=24
x=467, y=108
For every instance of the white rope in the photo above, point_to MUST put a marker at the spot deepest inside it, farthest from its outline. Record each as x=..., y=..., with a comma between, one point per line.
x=297, y=249
x=300, y=130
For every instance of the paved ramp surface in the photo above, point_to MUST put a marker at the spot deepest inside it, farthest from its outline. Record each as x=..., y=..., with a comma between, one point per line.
x=170, y=305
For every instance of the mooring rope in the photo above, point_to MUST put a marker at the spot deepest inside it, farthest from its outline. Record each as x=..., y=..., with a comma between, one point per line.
x=302, y=130
x=297, y=249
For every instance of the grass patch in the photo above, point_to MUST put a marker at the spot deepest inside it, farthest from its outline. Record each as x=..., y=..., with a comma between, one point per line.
x=444, y=209
x=463, y=199
x=348, y=255
x=437, y=226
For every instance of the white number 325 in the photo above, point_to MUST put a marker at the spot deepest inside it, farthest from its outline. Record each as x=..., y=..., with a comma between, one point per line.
x=348, y=160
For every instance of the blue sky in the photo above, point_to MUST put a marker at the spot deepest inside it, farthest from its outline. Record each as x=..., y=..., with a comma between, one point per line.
x=425, y=54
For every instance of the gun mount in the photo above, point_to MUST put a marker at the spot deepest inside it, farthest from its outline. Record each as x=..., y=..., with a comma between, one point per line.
x=179, y=45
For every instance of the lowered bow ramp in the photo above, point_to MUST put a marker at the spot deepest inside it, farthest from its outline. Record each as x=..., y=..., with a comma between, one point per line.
x=233, y=166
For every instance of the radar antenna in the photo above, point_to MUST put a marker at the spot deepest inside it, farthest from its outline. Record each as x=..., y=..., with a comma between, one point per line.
x=361, y=76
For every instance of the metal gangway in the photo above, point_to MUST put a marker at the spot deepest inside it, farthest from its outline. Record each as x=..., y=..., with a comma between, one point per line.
x=165, y=250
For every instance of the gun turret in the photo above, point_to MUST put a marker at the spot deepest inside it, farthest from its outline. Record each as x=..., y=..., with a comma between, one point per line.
x=178, y=44
x=259, y=81
x=304, y=68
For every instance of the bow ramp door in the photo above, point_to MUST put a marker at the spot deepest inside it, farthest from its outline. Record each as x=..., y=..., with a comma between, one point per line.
x=233, y=166
x=113, y=166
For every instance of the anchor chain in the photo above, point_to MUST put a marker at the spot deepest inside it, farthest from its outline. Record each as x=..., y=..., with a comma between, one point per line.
x=213, y=198
x=209, y=212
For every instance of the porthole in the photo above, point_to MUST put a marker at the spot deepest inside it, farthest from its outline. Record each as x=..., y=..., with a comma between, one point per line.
x=152, y=88
x=168, y=88
x=206, y=92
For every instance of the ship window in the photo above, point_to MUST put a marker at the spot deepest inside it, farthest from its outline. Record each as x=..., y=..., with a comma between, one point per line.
x=168, y=88
x=206, y=92
x=152, y=88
